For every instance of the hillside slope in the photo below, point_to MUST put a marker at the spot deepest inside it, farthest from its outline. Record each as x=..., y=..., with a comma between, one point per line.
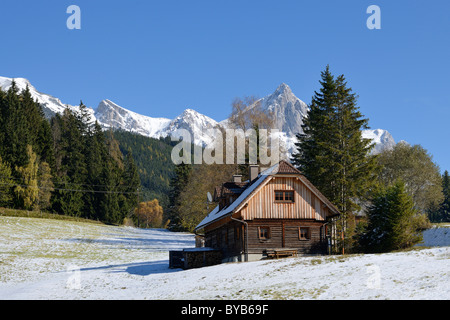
x=50, y=259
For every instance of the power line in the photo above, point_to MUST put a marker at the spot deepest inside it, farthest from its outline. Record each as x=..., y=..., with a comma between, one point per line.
x=73, y=190
x=60, y=183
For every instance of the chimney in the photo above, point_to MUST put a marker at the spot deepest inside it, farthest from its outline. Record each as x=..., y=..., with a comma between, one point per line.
x=253, y=171
x=237, y=178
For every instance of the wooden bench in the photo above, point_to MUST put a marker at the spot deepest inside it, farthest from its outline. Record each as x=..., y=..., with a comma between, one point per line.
x=281, y=253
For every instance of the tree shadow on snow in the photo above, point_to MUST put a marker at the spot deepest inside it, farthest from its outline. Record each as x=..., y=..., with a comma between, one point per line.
x=138, y=268
x=138, y=243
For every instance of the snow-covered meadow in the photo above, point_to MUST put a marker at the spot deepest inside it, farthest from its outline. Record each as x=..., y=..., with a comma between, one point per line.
x=52, y=259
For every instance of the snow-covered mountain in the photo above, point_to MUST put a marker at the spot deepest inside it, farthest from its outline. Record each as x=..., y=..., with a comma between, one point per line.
x=287, y=109
x=194, y=122
x=50, y=104
x=110, y=115
x=382, y=138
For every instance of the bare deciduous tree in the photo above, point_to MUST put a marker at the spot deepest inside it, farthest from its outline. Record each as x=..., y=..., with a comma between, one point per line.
x=247, y=113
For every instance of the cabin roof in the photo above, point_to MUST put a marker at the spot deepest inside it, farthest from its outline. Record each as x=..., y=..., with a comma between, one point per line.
x=247, y=189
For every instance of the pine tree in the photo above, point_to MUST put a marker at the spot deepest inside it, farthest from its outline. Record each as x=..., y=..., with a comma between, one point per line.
x=44, y=143
x=331, y=152
x=392, y=221
x=131, y=183
x=96, y=158
x=84, y=119
x=16, y=137
x=3, y=109
x=71, y=171
x=178, y=183
x=314, y=145
x=444, y=211
x=33, y=116
x=112, y=177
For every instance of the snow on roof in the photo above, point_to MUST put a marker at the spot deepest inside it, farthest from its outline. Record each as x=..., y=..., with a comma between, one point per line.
x=217, y=214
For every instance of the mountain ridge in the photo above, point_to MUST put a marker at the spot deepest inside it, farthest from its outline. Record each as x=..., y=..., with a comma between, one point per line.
x=288, y=111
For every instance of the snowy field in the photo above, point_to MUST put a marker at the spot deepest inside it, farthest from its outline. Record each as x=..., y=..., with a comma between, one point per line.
x=52, y=259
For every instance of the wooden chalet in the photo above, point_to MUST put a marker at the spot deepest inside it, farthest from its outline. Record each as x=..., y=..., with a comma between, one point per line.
x=276, y=212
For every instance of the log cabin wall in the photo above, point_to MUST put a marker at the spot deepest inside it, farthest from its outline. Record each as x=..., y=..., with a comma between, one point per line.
x=284, y=221
x=264, y=206
x=286, y=234
x=228, y=237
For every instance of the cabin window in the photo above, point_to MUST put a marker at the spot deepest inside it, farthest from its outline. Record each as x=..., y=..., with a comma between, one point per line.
x=284, y=196
x=289, y=196
x=279, y=196
x=264, y=233
x=303, y=233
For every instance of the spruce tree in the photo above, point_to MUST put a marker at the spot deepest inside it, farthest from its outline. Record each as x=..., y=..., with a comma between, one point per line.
x=2, y=117
x=33, y=116
x=183, y=172
x=16, y=137
x=131, y=184
x=314, y=144
x=112, y=177
x=444, y=212
x=392, y=221
x=71, y=172
x=96, y=158
x=331, y=151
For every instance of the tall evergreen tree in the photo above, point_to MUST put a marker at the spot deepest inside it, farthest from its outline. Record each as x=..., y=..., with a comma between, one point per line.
x=96, y=158
x=3, y=110
x=33, y=116
x=112, y=177
x=153, y=158
x=331, y=152
x=314, y=144
x=71, y=164
x=183, y=172
x=16, y=137
x=444, y=212
x=131, y=184
x=67, y=163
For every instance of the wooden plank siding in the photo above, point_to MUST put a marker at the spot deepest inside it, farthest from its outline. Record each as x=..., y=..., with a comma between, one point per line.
x=228, y=237
x=285, y=234
x=282, y=219
x=305, y=206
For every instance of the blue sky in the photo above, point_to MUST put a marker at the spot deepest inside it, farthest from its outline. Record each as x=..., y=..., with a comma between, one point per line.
x=159, y=58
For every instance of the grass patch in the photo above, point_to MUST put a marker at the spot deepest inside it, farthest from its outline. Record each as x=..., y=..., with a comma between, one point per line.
x=6, y=212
